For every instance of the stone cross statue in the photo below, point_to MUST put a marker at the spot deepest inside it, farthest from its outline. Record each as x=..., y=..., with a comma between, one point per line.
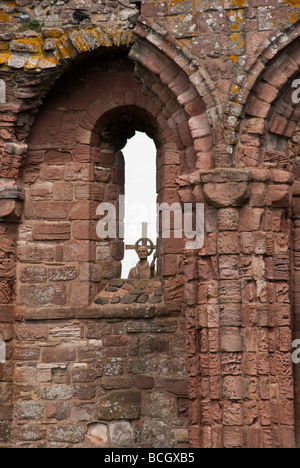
x=144, y=248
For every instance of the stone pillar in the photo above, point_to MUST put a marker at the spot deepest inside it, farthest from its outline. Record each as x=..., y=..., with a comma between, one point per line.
x=296, y=296
x=239, y=318
x=10, y=211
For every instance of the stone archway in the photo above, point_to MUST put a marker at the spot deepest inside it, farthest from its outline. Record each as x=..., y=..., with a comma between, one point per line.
x=80, y=356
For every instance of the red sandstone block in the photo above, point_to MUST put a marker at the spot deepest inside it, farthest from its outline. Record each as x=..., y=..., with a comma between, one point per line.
x=79, y=294
x=155, y=63
x=286, y=412
x=169, y=195
x=64, y=138
x=290, y=129
x=30, y=174
x=71, y=120
x=51, y=210
x=233, y=414
x=36, y=295
x=118, y=176
x=82, y=210
x=194, y=411
x=187, y=96
x=58, y=101
x=116, y=352
x=32, y=274
x=173, y=246
x=266, y=92
x=286, y=388
x=180, y=84
x=281, y=314
x=130, y=98
x=279, y=195
x=258, y=194
x=79, y=172
x=80, y=100
x=56, y=354
x=233, y=388
x=185, y=134
x=296, y=207
x=205, y=161
x=254, y=125
x=249, y=156
x=206, y=271
x=170, y=266
x=127, y=82
x=275, y=77
x=228, y=243
x=105, y=159
x=294, y=54
x=252, y=385
x=254, y=437
x=56, y=410
x=82, y=152
x=259, y=242
x=52, y=231
x=231, y=339
x=90, y=191
x=41, y=191
x=288, y=435
x=191, y=293
x=48, y=119
x=25, y=375
x=278, y=125
x=57, y=157
x=144, y=382
x=101, y=81
x=6, y=415
x=288, y=67
x=250, y=140
x=35, y=254
x=199, y=126
x=169, y=74
x=296, y=234
x=78, y=251
x=31, y=332
x=115, y=340
x=85, y=230
x=203, y=145
x=258, y=108
x=251, y=337
x=38, y=137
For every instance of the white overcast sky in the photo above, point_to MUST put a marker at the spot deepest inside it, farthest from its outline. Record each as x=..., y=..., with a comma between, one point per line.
x=140, y=194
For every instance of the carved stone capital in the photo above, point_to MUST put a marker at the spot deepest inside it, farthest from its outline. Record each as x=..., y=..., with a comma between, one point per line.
x=11, y=203
x=223, y=187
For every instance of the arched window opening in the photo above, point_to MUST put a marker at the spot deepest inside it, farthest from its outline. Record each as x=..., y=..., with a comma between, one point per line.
x=140, y=196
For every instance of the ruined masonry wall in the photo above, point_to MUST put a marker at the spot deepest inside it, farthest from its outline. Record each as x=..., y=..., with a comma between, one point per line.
x=211, y=82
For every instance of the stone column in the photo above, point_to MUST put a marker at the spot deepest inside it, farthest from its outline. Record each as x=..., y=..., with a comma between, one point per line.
x=10, y=211
x=239, y=315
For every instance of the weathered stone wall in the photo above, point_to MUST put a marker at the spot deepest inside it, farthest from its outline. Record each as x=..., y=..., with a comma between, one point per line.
x=108, y=378
x=211, y=83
